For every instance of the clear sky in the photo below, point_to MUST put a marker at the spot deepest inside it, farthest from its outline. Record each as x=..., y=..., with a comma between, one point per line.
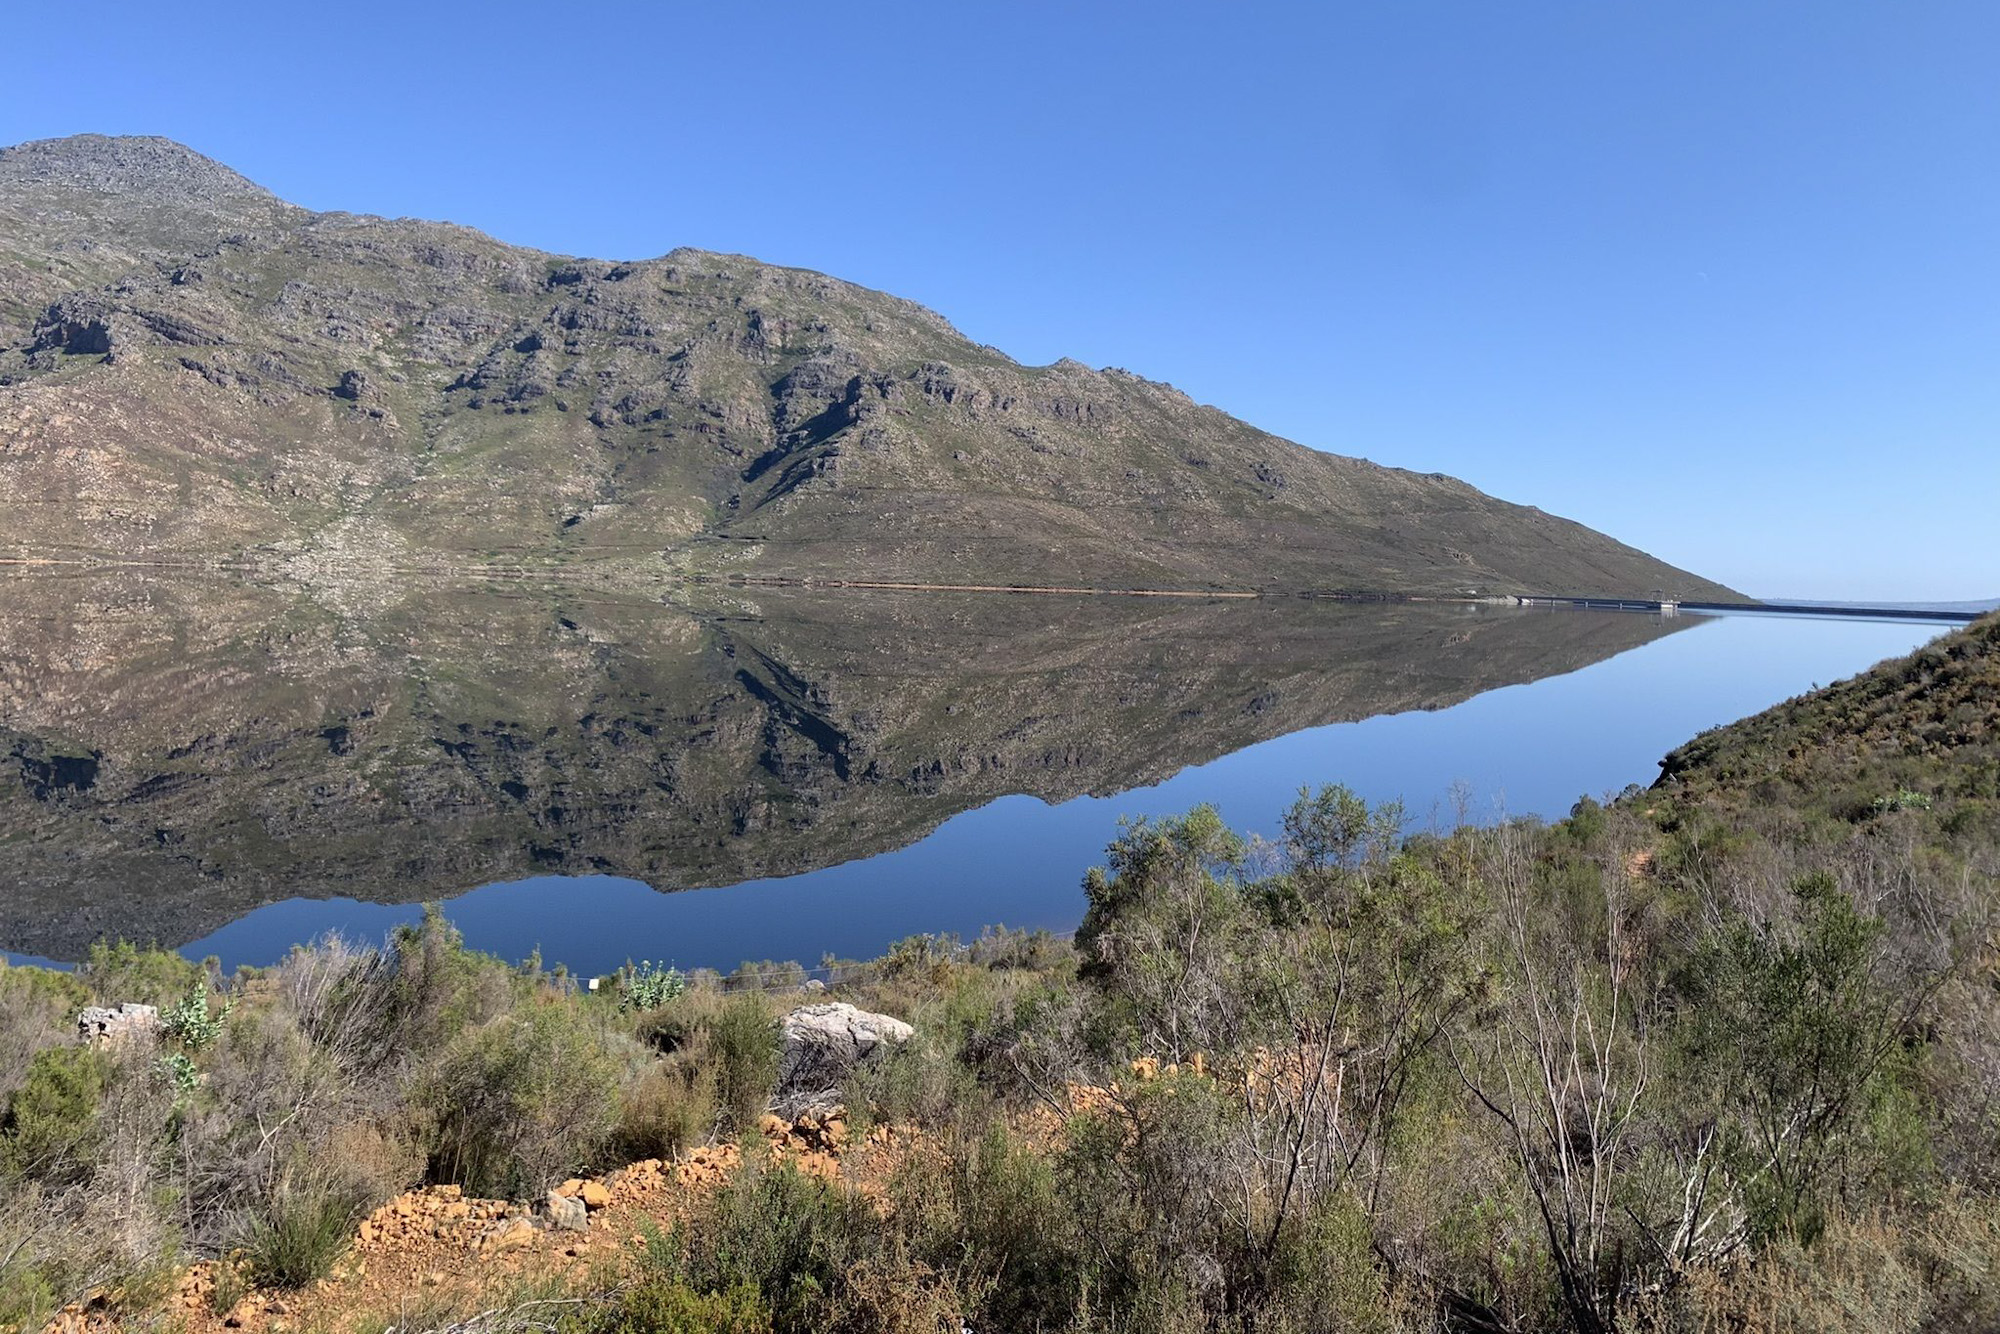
x=1722, y=279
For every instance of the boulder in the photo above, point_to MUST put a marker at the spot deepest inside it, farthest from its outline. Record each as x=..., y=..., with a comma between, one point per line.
x=118, y=1023
x=567, y=1213
x=594, y=1195
x=821, y=1045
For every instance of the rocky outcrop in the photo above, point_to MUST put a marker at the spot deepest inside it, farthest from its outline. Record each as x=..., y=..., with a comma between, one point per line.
x=127, y=1023
x=821, y=1046
x=118, y=1023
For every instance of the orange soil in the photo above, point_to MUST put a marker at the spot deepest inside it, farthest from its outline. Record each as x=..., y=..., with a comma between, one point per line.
x=438, y=1243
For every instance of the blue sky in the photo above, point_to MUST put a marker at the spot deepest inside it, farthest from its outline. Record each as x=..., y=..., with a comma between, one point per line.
x=1718, y=278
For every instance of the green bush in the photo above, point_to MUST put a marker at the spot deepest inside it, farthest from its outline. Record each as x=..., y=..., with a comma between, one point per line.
x=26, y=1298
x=647, y=986
x=124, y=972
x=774, y=1231
x=745, y=1042
x=50, y=1130
x=523, y=1101
x=37, y=1009
x=301, y=1231
x=191, y=1021
x=669, y=1306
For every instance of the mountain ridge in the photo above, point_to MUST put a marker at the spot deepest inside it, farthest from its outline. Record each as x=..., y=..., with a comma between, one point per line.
x=193, y=368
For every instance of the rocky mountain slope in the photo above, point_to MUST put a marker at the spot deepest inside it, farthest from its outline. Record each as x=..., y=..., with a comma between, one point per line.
x=193, y=369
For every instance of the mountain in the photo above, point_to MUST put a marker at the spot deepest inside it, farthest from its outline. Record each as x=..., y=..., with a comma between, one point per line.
x=195, y=370
x=177, y=751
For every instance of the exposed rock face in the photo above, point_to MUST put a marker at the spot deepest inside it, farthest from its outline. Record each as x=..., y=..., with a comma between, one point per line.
x=821, y=1045
x=190, y=367
x=118, y=1023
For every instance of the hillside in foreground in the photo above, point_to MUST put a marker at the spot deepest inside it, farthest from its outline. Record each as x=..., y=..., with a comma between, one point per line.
x=193, y=369
x=1917, y=732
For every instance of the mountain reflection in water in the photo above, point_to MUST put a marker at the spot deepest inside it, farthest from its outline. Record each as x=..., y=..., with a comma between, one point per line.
x=176, y=753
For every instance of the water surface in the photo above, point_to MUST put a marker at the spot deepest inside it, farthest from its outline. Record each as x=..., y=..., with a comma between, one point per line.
x=231, y=769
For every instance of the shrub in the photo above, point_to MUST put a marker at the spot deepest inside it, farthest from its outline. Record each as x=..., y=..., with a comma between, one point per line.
x=745, y=1042
x=190, y=1022
x=774, y=1231
x=37, y=1006
x=647, y=986
x=522, y=1101
x=124, y=972
x=50, y=1130
x=669, y=1306
x=302, y=1230
x=1015, y=1222
x=439, y=987
x=670, y=1108
x=27, y=1299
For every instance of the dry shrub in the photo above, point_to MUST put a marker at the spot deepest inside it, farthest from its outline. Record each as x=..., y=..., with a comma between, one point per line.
x=523, y=1101
x=894, y=1294
x=343, y=999
x=734, y=1033
x=670, y=1107
x=1862, y=1275
x=373, y=1162
x=301, y=1230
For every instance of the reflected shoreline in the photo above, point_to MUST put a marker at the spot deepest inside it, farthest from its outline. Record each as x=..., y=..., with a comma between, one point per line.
x=178, y=752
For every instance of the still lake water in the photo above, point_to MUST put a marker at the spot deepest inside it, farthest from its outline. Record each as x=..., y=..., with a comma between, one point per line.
x=841, y=776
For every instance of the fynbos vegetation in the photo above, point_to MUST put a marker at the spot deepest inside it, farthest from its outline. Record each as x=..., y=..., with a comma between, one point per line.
x=1721, y=1055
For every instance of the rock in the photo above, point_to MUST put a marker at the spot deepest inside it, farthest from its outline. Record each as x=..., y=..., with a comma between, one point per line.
x=508, y=1236
x=567, y=1213
x=821, y=1045
x=594, y=1195
x=78, y=324
x=570, y=1187
x=118, y=1023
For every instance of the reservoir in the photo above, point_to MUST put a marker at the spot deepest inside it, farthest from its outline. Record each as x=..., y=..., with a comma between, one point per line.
x=706, y=777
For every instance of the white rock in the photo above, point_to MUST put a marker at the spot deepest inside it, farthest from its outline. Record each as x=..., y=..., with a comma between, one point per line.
x=98, y=1023
x=821, y=1045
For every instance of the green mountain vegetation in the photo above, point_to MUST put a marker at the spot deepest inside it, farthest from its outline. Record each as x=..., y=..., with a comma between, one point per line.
x=176, y=751
x=1723, y=1055
x=192, y=370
